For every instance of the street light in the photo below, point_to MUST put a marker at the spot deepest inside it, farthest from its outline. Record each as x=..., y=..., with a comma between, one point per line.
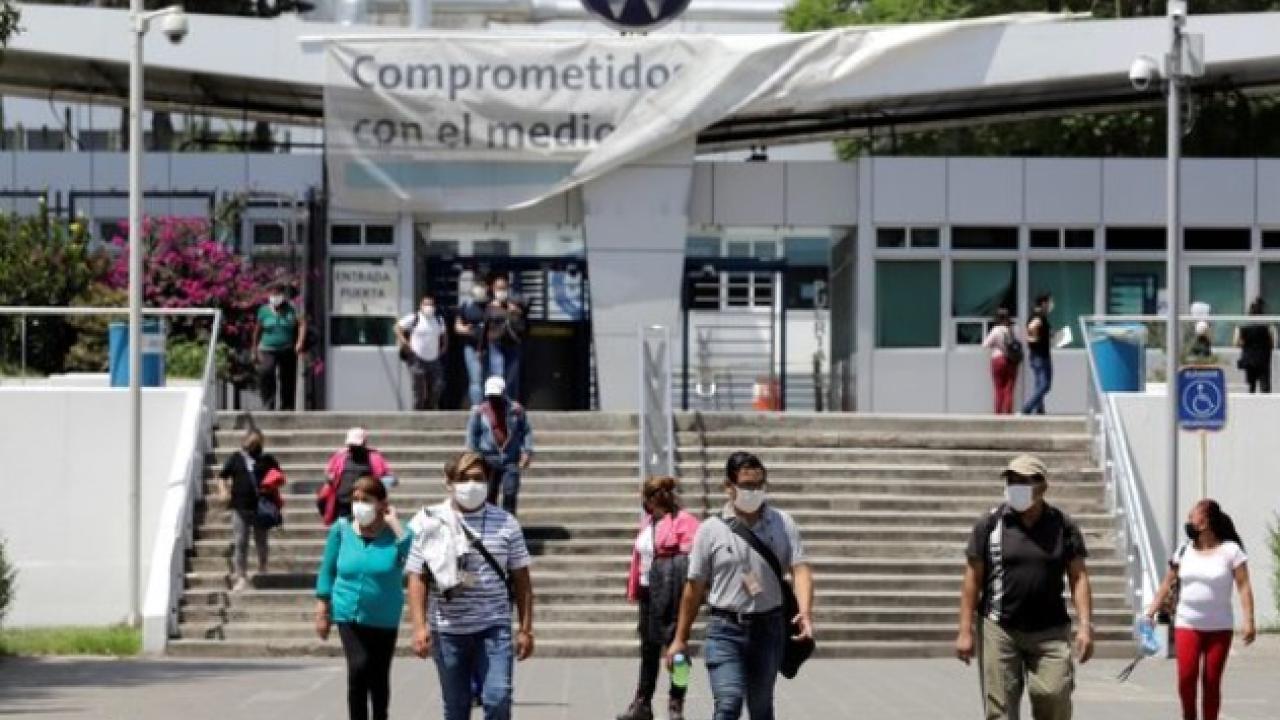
x=1184, y=60
x=174, y=24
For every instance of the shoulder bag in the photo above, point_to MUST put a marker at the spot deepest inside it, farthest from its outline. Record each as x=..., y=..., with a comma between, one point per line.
x=489, y=559
x=795, y=652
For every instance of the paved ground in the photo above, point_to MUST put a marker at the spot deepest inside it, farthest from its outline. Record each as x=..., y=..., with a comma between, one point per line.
x=585, y=690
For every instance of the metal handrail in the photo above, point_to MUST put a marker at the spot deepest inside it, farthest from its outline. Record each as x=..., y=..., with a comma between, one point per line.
x=656, y=411
x=1116, y=458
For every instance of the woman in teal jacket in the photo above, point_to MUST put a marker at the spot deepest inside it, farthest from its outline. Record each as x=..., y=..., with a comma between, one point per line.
x=360, y=589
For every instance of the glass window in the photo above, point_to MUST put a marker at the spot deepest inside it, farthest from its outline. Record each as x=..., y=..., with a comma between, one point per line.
x=1271, y=239
x=1133, y=287
x=491, y=248
x=379, y=235
x=362, y=330
x=702, y=247
x=1223, y=289
x=1217, y=239
x=443, y=248
x=805, y=285
x=908, y=297
x=926, y=238
x=1136, y=239
x=810, y=252
x=891, y=238
x=344, y=234
x=268, y=234
x=1078, y=238
x=702, y=288
x=978, y=289
x=984, y=238
x=1270, y=277
x=1045, y=239
x=1071, y=284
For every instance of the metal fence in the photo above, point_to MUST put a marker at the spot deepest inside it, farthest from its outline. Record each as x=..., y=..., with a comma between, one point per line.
x=657, y=422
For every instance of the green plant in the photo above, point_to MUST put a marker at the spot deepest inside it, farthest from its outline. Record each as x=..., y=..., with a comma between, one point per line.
x=115, y=641
x=185, y=358
x=1273, y=540
x=8, y=581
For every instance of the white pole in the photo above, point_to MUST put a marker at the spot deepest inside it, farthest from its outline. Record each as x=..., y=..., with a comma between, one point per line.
x=136, y=30
x=1173, y=67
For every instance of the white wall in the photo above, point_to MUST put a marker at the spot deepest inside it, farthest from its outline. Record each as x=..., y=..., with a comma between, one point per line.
x=1239, y=477
x=367, y=378
x=66, y=494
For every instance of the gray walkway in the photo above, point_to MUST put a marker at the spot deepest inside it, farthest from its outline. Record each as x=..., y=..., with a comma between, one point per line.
x=584, y=690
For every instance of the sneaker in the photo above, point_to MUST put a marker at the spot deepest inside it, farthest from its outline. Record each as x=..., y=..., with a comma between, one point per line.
x=241, y=585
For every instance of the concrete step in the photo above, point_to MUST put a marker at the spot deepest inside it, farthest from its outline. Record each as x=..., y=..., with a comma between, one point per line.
x=887, y=425
x=335, y=437
x=377, y=422
x=694, y=442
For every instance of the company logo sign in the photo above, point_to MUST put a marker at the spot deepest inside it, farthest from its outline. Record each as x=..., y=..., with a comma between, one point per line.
x=636, y=14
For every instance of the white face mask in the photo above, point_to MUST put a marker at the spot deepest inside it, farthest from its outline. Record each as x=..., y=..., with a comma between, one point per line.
x=470, y=495
x=276, y=300
x=364, y=513
x=428, y=310
x=501, y=295
x=478, y=292
x=1019, y=497
x=749, y=501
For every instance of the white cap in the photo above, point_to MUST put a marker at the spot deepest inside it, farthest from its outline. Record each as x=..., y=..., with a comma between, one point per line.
x=1202, y=328
x=357, y=436
x=495, y=386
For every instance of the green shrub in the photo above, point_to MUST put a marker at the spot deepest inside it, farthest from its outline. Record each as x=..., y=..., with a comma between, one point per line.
x=8, y=582
x=1273, y=539
x=116, y=641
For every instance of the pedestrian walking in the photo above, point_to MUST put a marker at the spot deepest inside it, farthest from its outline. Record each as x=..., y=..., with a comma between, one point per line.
x=732, y=565
x=343, y=469
x=467, y=565
x=424, y=339
x=1006, y=357
x=499, y=429
x=1203, y=571
x=241, y=488
x=505, y=328
x=659, y=569
x=469, y=325
x=1017, y=558
x=1256, y=341
x=1040, y=340
x=279, y=337
x=360, y=588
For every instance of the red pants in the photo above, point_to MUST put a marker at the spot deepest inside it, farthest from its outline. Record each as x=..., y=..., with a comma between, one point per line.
x=1004, y=375
x=1195, y=647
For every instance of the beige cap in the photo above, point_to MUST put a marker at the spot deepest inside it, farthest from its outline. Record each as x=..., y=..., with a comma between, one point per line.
x=1028, y=466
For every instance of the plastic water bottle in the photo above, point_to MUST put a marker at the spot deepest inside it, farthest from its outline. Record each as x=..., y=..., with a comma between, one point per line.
x=1147, y=639
x=680, y=671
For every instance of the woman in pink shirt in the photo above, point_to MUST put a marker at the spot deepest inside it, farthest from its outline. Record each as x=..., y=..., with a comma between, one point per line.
x=659, y=564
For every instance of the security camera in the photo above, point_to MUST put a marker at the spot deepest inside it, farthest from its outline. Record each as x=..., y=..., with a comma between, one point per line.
x=1144, y=71
x=175, y=26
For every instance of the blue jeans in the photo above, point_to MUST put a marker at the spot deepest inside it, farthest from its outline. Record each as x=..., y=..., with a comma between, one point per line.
x=504, y=360
x=1042, y=369
x=487, y=653
x=505, y=480
x=475, y=374
x=743, y=661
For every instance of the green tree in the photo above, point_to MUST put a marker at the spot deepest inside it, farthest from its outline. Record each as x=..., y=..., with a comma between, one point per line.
x=8, y=581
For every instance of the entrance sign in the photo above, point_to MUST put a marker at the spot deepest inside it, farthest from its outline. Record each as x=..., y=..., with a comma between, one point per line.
x=1202, y=398
x=477, y=123
x=636, y=14
x=365, y=290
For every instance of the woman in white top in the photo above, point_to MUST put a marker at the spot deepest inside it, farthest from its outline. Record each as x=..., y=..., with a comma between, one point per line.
x=1205, y=568
x=1004, y=363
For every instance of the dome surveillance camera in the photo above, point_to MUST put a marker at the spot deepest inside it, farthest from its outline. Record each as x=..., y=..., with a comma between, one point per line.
x=175, y=26
x=1144, y=71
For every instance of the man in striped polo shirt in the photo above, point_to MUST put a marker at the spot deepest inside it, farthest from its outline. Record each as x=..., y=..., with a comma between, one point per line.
x=469, y=631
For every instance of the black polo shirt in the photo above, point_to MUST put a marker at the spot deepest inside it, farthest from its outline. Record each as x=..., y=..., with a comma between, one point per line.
x=1041, y=346
x=1024, y=573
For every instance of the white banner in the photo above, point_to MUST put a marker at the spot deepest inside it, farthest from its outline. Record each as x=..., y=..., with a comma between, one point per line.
x=467, y=123
x=365, y=290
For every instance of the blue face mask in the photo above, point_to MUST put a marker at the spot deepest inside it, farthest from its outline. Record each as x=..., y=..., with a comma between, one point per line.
x=1019, y=497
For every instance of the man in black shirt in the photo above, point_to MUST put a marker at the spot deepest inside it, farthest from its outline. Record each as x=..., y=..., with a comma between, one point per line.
x=238, y=484
x=1039, y=345
x=1017, y=558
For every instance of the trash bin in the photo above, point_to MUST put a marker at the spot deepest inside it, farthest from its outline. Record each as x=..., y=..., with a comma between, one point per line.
x=1119, y=354
x=153, y=351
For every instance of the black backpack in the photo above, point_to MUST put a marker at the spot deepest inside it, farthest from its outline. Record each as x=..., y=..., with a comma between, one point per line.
x=1013, y=352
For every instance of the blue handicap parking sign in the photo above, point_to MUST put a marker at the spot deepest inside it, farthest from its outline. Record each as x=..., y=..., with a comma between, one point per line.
x=1202, y=398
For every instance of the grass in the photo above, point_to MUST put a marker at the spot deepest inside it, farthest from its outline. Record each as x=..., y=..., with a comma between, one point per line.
x=114, y=641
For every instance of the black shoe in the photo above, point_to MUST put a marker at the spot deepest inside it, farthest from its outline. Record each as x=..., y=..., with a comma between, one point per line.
x=639, y=710
x=675, y=709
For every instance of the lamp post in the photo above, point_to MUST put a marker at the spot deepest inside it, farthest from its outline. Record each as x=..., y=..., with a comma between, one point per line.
x=175, y=27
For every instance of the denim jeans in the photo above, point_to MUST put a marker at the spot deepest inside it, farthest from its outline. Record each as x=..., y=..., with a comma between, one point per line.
x=743, y=661
x=475, y=374
x=487, y=653
x=1042, y=369
x=504, y=480
x=504, y=360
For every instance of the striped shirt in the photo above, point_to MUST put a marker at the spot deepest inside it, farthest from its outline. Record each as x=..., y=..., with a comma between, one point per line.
x=484, y=604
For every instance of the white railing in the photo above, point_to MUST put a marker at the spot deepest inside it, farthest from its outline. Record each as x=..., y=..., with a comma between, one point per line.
x=184, y=483
x=657, y=421
x=1111, y=451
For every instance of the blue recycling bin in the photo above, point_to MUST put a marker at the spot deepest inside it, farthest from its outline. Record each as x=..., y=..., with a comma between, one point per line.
x=1120, y=355
x=153, y=351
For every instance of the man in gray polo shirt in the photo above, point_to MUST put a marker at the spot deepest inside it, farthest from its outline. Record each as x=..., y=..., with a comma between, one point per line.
x=746, y=634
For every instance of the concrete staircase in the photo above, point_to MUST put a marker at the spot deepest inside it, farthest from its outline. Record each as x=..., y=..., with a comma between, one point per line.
x=885, y=506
